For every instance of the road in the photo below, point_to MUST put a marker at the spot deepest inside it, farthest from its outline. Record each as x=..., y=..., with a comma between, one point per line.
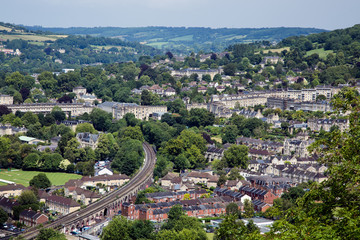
x=142, y=176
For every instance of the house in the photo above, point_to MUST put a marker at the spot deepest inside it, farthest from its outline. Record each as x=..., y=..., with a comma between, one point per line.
x=235, y=184
x=61, y=204
x=156, y=89
x=83, y=195
x=327, y=124
x=115, y=180
x=169, y=92
x=7, y=129
x=200, y=177
x=88, y=140
x=31, y=218
x=259, y=194
x=7, y=205
x=236, y=196
x=214, y=153
x=105, y=171
x=166, y=180
x=11, y=190
x=30, y=140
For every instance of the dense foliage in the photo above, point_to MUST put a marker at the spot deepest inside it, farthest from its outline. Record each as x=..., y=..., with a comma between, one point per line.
x=185, y=40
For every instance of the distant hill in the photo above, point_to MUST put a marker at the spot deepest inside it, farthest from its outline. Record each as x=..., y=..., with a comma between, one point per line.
x=51, y=51
x=184, y=40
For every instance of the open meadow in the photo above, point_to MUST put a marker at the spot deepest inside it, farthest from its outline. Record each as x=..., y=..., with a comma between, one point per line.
x=23, y=177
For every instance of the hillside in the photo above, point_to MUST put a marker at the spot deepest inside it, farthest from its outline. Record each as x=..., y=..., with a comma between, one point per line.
x=185, y=40
x=51, y=51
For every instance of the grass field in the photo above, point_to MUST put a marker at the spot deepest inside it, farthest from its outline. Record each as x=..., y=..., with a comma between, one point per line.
x=2, y=28
x=321, y=51
x=279, y=50
x=23, y=177
x=157, y=44
x=210, y=236
x=31, y=37
x=182, y=38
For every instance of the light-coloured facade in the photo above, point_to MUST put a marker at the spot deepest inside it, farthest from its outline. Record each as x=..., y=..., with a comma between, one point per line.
x=11, y=190
x=61, y=204
x=6, y=99
x=76, y=109
x=188, y=72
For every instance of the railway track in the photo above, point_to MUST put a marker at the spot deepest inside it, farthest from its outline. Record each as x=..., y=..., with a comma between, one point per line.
x=143, y=175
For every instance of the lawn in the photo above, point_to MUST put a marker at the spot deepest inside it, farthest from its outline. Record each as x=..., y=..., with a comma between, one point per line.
x=23, y=177
x=321, y=51
x=31, y=37
x=210, y=236
x=182, y=38
x=278, y=50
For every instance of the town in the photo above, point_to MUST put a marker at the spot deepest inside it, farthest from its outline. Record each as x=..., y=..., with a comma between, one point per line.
x=94, y=139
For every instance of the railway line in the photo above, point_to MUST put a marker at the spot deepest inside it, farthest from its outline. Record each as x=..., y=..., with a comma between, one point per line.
x=143, y=175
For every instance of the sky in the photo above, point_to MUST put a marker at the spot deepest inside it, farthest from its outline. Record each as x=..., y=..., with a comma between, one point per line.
x=324, y=14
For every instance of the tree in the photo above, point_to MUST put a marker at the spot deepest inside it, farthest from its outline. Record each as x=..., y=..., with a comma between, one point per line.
x=31, y=161
x=237, y=156
x=230, y=134
x=320, y=98
x=4, y=110
x=100, y=119
x=175, y=106
x=232, y=208
x=129, y=157
x=230, y=69
x=85, y=127
x=50, y=234
x=27, y=197
x=3, y=216
x=329, y=210
x=133, y=133
x=248, y=209
x=121, y=228
x=230, y=229
x=235, y=175
x=40, y=181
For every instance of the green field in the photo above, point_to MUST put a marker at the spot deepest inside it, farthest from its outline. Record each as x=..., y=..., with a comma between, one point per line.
x=23, y=177
x=31, y=37
x=321, y=51
x=157, y=44
x=278, y=50
x=182, y=38
x=210, y=236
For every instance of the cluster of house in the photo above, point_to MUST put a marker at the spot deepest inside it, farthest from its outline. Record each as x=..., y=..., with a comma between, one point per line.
x=82, y=96
x=7, y=129
x=75, y=193
x=118, y=110
x=188, y=180
x=193, y=203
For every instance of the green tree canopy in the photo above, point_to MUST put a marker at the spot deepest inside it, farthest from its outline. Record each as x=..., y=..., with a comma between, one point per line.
x=40, y=181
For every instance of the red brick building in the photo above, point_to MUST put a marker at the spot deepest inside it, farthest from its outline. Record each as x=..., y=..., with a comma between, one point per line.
x=259, y=194
x=31, y=218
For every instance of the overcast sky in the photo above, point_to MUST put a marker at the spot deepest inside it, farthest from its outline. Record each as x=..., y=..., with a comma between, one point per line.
x=326, y=14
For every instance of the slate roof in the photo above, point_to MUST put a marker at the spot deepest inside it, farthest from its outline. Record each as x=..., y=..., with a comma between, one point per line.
x=28, y=213
x=62, y=201
x=11, y=187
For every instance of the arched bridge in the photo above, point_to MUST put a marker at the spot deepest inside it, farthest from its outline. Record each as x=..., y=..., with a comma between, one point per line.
x=108, y=205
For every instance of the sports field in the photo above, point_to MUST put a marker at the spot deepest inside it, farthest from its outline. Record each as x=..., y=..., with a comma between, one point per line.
x=23, y=177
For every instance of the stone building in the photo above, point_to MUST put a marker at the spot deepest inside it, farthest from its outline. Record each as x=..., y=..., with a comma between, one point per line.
x=11, y=190
x=7, y=129
x=88, y=140
x=61, y=204
x=6, y=99
x=31, y=218
x=326, y=124
x=119, y=110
